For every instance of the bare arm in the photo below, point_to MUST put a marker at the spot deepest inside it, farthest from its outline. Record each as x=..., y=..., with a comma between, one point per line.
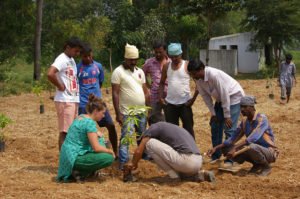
x=147, y=95
x=93, y=139
x=162, y=83
x=53, y=78
x=138, y=153
x=116, y=98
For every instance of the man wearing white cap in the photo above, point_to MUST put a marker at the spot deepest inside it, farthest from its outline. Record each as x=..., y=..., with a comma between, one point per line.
x=129, y=89
x=178, y=100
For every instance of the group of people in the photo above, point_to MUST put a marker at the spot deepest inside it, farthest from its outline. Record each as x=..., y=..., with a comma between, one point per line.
x=163, y=84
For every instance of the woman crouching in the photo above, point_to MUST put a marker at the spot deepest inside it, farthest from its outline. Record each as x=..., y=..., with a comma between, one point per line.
x=83, y=151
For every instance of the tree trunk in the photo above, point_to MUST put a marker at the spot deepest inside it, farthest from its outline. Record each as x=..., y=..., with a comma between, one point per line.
x=37, y=40
x=268, y=54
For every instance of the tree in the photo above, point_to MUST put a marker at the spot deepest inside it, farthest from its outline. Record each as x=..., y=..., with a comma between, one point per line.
x=37, y=40
x=275, y=22
x=210, y=11
x=189, y=28
x=153, y=30
x=16, y=28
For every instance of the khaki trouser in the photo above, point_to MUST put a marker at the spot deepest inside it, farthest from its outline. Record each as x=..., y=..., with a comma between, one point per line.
x=171, y=161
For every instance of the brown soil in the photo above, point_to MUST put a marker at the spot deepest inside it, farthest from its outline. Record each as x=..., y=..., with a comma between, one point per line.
x=29, y=165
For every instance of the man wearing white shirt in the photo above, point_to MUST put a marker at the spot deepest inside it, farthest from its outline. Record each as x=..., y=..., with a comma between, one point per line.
x=215, y=85
x=129, y=89
x=62, y=74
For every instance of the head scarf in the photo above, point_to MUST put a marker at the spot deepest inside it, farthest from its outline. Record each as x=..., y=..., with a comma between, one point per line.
x=131, y=52
x=174, y=49
x=248, y=101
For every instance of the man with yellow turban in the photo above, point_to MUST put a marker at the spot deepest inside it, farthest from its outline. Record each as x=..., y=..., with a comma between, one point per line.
x=129, y=89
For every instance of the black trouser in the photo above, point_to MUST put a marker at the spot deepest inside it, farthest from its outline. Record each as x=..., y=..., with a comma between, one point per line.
x=185, y=113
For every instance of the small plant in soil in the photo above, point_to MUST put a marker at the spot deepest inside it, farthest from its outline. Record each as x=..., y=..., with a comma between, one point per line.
x=37, y=89
x=270, y=86
x=133, y=111
x=4, y=121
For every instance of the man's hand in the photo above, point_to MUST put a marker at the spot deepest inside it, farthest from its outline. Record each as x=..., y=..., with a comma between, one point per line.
x=213, y=119
x=190, y=102
x=230, y=154
x=119, y=118
x=162, y=101
x=211, y=151
x=228, y=122
x=134, y=166
x=61, y=87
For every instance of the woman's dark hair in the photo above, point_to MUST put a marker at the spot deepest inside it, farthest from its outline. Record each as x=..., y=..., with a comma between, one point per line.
x=158, y=44
x=86, y=49
x=94, y=103
x=73, y=42
x=195, y=65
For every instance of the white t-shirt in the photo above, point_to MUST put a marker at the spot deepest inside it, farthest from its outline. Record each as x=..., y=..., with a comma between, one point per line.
x=221, y=87
x=131, y=87
x=67, y=72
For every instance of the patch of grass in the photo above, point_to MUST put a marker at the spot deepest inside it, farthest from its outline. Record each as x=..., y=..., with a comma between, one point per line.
x=16, y=77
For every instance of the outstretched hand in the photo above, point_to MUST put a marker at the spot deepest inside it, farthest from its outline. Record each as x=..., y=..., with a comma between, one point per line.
x=211, y=151
x=230, y=154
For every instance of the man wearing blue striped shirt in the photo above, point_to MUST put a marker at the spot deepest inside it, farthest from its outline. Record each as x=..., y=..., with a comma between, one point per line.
x=259, y=137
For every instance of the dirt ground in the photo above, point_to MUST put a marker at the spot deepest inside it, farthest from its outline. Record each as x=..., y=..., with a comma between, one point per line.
x=29, y=165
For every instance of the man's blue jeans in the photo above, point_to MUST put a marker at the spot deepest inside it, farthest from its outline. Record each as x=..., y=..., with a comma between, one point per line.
x=217, y=127
x=139, y=129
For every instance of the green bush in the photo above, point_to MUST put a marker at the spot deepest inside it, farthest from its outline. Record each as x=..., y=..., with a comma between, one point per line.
x=4, y=121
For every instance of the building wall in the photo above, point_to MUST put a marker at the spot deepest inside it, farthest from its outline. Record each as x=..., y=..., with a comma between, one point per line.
x=225, y=60
x=247, y=61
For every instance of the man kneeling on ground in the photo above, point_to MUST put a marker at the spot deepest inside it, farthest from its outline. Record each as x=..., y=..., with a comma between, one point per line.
x=174, y=150
x=260, y=139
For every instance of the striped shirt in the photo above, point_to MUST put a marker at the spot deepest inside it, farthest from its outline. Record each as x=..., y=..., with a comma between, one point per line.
x=257, y=131
x=153, y=68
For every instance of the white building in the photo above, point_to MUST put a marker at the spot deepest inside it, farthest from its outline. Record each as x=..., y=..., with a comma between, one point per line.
x=246, y=61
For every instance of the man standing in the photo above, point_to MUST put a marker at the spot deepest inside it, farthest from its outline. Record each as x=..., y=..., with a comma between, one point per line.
x=174, y=150
x=178, y=100
x=62, y=74
x=260, y=139
x=227, y=93
x=129, y=89
x=91, y=76
x=153, y=67
x=286, y=76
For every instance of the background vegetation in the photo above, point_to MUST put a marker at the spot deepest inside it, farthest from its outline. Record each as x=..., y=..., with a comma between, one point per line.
x=109, y=24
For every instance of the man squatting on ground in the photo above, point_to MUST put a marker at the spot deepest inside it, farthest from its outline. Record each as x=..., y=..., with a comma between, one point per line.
x=174, y=150
x=259, y=137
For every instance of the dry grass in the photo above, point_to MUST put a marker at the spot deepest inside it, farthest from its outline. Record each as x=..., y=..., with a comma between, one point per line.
x=29, y=165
